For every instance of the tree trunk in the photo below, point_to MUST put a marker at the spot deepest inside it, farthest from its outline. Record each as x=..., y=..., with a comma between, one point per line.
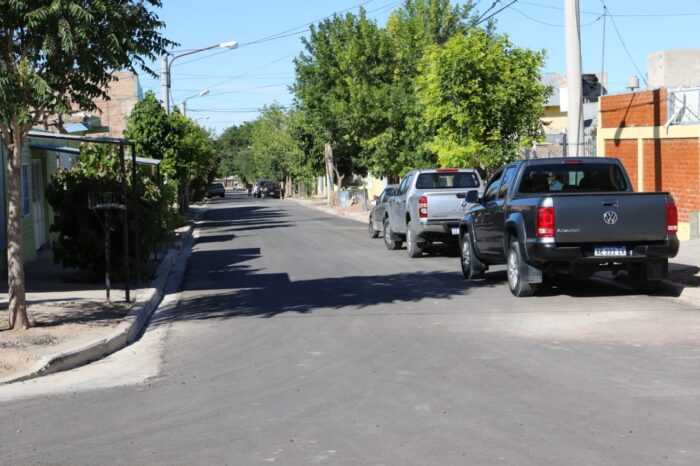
x=328, y=156
x=17, y=303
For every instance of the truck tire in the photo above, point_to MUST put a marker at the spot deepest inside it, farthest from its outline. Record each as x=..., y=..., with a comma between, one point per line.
x=637, y=274
x=372, y=232
x=390, y=243
x=414, y=249
x=515, y=261
x=472, y=267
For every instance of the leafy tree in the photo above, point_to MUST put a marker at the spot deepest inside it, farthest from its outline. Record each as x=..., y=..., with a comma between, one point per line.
x=157, y=136
x=276, y=153
x=399, y=147
x=482, y=98
x=55, y=54
x=338, y=85
x=356, y=85
x=189, y=157
x=233, y=147
x=197, y=160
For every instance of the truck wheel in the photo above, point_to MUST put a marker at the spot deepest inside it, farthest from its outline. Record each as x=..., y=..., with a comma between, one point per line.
x=471, y=265
x=638, y=279
x=372, y=232
x=390, y=243
x=515, y=280
x=412, y=246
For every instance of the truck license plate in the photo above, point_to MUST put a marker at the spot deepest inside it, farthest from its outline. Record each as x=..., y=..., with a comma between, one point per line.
x=610, y=251
x=455, y=231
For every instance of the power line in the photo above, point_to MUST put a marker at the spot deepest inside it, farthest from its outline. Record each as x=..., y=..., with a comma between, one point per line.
x=234, y=110
x=624, y=46
x=250, y=71
x=280, y=35
x=552, y=7
x=495, y=13
x=602, y=60
x=656, y=15
x=478, y=20
x=285, y=33
x=552, y=24
x=630, y=15
x=266, y=86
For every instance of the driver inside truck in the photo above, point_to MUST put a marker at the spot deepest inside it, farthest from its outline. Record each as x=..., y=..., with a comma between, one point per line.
x=554, y=183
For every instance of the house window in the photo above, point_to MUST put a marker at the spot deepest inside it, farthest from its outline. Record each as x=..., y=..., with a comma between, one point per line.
x=25, y=189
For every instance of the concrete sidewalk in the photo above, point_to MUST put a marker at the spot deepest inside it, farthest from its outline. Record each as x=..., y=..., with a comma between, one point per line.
x=71, y=322
x=683, y=281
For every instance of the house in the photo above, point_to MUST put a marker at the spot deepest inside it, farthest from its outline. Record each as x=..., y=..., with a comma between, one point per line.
x=656, y=133
x=554, y=119
x=42, y=157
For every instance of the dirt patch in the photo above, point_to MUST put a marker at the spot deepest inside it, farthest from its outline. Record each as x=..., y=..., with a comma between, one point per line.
x=56, y=327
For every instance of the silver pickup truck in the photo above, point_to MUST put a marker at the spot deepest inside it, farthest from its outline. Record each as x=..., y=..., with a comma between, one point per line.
x=428, y=206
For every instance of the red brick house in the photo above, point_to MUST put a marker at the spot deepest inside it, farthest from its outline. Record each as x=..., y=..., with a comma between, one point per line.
x=657, y=137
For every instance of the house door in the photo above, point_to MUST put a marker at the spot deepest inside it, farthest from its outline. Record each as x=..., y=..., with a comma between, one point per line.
x=38, y=203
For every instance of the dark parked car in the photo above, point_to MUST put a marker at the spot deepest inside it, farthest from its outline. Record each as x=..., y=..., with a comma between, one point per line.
x=379, y=211
x=270, y=189
x=257, y=187
x=216, y=189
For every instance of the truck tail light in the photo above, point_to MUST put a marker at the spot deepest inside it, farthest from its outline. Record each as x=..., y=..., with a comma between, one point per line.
x=545, y=222
x=671, y=219
x=423, y=207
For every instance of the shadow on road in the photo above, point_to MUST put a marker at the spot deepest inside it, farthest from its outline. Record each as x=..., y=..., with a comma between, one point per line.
x=233, y=284
x=250, y=294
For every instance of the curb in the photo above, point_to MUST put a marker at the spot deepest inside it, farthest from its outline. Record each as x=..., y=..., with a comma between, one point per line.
x=128, y=331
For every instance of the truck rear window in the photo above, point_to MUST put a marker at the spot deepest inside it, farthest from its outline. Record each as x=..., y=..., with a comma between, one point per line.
x=449, y=180
x=585, y=178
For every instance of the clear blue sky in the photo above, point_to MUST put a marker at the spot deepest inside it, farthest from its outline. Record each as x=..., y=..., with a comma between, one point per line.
x=258, y=73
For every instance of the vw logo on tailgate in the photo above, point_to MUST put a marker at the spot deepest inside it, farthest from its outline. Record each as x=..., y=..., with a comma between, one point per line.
x=610, y=217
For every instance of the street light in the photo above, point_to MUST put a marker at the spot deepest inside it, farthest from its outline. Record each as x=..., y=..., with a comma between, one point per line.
x=184, y=102
x=166, y=64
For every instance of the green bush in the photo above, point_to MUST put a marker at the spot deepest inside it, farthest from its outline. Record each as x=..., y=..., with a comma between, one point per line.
x=80, y=232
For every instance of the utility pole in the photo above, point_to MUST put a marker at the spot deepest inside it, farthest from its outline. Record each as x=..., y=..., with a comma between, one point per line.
x=165, y=81
x=572, y=23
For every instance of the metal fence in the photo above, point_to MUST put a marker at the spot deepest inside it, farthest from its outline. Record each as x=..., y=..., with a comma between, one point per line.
x=683, y=106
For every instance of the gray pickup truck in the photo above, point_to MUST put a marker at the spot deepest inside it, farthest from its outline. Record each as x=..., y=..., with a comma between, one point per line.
x=427, y=208
x=568, y=216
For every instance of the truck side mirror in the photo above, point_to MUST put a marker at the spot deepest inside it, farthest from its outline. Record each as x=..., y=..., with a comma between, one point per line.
x=472, y=196
x=390, y=192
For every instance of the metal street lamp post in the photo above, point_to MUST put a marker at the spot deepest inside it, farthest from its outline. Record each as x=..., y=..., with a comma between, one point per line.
x=167, y=64
x=184, y=102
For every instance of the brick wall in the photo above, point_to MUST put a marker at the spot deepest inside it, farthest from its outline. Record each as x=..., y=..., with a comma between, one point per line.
x=123, y=95
x=673, y=165
x=649, y=108
x=626, y=151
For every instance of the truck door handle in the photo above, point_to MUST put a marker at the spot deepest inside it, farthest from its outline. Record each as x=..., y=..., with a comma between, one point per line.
x=610, y=203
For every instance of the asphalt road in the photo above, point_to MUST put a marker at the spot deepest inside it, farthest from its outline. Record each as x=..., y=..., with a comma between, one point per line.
x=299, y=340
